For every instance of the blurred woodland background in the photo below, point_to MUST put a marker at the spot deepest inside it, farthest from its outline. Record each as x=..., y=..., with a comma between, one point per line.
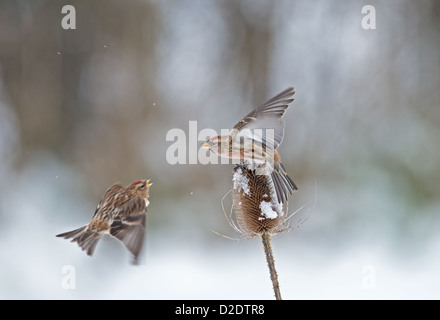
x=81, y=109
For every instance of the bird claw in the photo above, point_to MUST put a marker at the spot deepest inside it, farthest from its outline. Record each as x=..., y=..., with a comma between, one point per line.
x=240, y=166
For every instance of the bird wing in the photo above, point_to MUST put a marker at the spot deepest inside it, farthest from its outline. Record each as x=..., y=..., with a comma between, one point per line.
x=267, y=116
x=110, y=193
x=129, y=225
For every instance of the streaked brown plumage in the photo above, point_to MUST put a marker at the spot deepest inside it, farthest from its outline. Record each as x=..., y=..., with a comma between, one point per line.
x=254, y=141
x=122, y=213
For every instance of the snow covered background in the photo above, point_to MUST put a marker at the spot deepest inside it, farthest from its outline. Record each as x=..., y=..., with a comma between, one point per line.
x=82, y=109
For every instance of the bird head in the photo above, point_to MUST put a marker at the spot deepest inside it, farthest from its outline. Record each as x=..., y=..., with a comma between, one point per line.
x=213, y=144
x=141, y=187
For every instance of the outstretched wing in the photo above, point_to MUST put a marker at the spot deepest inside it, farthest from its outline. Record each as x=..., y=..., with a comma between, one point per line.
x=268, y=116
x=129, y=225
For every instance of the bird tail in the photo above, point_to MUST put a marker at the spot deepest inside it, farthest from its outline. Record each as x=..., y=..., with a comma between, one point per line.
x=284, y=185
x=86, y=238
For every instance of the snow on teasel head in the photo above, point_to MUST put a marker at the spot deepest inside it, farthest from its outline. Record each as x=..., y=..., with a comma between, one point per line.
x=255, y=204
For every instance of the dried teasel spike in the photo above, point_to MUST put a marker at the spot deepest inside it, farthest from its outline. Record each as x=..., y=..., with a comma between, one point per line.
x=258, y=213
x=265, y=237
x=255, y=204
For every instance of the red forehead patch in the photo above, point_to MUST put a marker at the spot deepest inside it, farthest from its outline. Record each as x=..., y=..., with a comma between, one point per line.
x=137, y=182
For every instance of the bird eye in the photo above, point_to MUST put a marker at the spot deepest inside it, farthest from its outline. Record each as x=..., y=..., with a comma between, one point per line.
x=142, y=186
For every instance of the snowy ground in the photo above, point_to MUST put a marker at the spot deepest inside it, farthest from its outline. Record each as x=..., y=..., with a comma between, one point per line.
x=176, y=269
x=326, y=258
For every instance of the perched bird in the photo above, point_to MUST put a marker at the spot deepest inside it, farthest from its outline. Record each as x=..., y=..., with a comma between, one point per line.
x=122, y=213
x=254, y=141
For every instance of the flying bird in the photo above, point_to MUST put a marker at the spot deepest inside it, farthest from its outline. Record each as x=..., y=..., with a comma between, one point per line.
x=122, y=213
x=254, y=140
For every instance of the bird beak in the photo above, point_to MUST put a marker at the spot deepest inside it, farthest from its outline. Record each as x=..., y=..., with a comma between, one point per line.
x=149, y=183
x=206, y=145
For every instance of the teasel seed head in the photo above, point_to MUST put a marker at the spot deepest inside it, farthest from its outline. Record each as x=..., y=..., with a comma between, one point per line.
x=257, y=210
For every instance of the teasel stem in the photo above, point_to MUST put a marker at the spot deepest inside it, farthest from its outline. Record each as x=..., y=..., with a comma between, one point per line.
x=265, y=237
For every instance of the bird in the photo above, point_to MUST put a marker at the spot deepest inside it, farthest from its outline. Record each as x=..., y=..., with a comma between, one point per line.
x=254, y=141
x=121, y=213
